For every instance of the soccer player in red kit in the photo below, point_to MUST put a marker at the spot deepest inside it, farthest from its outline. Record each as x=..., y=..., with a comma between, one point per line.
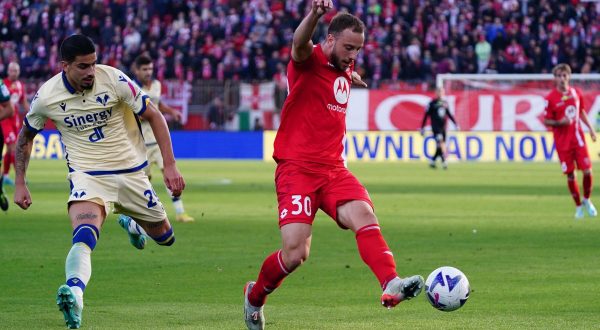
x=311, y=172
x=12, y=125
x=564, y=109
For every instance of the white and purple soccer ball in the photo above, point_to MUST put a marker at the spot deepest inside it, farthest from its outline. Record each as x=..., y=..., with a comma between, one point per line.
x=447, y=288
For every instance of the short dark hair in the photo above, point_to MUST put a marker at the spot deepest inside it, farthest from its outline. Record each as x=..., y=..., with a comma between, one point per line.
x=76, y=45
x=343, y=21
x=142, y=60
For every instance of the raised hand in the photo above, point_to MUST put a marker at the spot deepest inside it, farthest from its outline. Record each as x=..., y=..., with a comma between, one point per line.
x=320, y=7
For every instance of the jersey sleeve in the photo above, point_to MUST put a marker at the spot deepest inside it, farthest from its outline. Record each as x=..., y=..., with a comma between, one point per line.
x=130, y=93
x=35, y=119
x=306, y=64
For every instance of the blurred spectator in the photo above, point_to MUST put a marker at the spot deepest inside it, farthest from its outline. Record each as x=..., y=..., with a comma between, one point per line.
x=216, y=114
x=483, y=50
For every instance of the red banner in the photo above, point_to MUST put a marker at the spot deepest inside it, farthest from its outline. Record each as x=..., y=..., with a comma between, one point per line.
x=514, y=110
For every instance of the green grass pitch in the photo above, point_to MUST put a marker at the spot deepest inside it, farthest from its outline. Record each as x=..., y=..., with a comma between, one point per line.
x=508, y=227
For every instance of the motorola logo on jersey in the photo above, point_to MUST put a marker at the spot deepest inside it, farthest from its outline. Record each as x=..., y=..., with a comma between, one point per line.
x=341, y=90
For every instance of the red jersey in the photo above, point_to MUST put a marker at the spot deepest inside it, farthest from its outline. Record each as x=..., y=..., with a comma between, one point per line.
x=313, y=118
x=17, y=95
x=568, y=104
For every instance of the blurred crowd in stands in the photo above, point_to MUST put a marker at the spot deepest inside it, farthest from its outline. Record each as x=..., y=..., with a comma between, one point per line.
x=406, y=40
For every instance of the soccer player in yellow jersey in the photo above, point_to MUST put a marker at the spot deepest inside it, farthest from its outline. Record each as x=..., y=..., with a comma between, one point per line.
x=143, y=69
x=95, y=108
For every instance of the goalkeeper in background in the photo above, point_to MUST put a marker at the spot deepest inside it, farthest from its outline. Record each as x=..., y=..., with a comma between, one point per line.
x=439, y=113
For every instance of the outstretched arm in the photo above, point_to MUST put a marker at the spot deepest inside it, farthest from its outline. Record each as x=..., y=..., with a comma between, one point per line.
x=302, y=45
x=23, y=153
x=173, y=179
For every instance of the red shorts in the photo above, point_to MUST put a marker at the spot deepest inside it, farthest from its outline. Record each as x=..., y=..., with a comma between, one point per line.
x=303, y=188
x=575, y=156
x=10, y=128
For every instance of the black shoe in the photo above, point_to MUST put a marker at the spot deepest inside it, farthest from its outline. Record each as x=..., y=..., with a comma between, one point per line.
x=3, y=201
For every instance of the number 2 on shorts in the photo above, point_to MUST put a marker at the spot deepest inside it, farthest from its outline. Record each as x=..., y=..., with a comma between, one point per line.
x=151, y=196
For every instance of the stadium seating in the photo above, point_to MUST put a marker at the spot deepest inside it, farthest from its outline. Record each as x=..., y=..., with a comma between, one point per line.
x=247, y=40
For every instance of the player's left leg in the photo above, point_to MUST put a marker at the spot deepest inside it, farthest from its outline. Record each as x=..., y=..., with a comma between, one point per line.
x=347, y=201
x=142, y=212
x=585, y=165
x=587, y=193
x=358, y=216
x=442, y=148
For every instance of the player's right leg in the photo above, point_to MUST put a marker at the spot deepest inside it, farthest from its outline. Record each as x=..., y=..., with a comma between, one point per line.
x=296, y=240
x=86, y=219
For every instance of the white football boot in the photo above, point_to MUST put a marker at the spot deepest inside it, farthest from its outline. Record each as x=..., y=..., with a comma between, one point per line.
x=254, y=316
x=400, y=289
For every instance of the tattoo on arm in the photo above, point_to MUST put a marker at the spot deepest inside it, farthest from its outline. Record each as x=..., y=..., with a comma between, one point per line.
x=23, y=152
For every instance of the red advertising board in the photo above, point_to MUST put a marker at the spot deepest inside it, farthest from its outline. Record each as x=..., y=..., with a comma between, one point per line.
x=512, y=110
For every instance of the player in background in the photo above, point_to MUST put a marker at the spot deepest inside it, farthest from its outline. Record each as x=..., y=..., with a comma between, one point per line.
x=143, y=69
x=439, y=112
x=7, y=110
x=565, y=110
x=12, y=125
x=311, y=172
x=94, y=108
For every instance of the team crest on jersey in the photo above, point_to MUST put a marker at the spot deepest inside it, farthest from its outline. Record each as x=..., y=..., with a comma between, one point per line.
x=571, y=112
x=341, y=90
x=102, y=99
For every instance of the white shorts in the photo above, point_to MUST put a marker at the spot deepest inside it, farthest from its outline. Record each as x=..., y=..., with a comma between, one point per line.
x=154, y=157
x=129, y=193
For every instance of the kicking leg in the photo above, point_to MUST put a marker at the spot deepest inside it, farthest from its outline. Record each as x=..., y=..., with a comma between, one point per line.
x=359, y=217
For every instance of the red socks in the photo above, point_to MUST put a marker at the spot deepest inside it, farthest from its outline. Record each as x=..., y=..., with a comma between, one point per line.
x=587, y=185
x=372, y=248
x=272, y=273
x=376, y=254
x=9, y=158
x=574, y=189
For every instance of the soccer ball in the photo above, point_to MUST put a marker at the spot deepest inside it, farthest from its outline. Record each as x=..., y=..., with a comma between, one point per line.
x=447, y=288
